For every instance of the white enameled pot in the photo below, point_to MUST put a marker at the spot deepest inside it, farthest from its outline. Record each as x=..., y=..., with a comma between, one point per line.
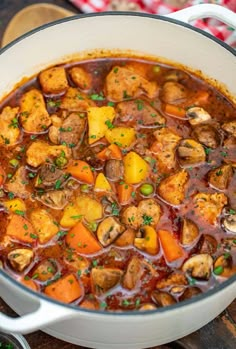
x=150, y=35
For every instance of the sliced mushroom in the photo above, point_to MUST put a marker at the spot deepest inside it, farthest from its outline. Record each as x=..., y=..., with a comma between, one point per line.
x=197, y=115
x=220, y=177
x=162, y=299
x=172, y=188
x=208, y=244
x=174, y=279
x=223, y=265
x=114, y=170
x=45, y=270
x=199, y=266
x=133, y=273
x=56, y=199
x=173, y=92
x=189, y=232
x=229, y=222
x=104, y=279
x=20, y=258
x=207, y=135
x=189, y=293
x=108, y=230
x=147, y=306
x=148, y=241
x=190, y=153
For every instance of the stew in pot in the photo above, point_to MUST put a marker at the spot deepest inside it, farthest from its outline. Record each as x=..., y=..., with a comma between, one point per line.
x=118, y=184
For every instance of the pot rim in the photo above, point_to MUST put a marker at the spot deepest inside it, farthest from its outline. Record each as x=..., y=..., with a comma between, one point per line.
x=189, y=302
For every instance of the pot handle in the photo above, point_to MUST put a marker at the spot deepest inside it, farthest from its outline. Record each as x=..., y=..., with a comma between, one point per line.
x=192, y=13
x=45, y=314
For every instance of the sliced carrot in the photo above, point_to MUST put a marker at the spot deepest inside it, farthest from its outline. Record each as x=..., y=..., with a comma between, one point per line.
x=2, y=175
x=171, y=248
x=111, y=152
x=21, y=229
x=124, y=192
x=66, y=289
x=82, y=240
x=81, y=171
x=200, y=97
x=174, y=110
x=29, y=283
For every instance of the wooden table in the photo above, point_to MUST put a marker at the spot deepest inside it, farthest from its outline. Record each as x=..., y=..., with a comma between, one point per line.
x=219, y=334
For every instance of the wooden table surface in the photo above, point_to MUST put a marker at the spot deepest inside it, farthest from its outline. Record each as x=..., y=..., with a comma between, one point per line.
x=219, y=334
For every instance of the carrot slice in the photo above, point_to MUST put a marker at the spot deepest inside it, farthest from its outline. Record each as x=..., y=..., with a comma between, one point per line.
x=2, y=175
x=171, y=248
x=21, y=229
x=82, y=240
x=200, y=97
x=81, y=171
x=29, y=283
x=124, y=192
x=174, y=110
x=110, y=152
x=66, y=289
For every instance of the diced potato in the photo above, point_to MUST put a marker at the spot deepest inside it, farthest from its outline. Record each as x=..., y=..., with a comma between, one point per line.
x=33, y=113
x=99, y=119
x=149, y=242
x=172, y=188
x=44, y=225
x=75, y=100
x=136, y=169
x=81, y=78
x=70, y=216
x=53, y=80
x=9, y=130
x=101, y=183
x=122, y=136
x=15, y=205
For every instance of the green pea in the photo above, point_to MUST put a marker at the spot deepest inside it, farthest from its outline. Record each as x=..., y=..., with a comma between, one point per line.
x=61, y=161
x=84, y=188
x=146, y=189
x=14, y=163
x=218, y=270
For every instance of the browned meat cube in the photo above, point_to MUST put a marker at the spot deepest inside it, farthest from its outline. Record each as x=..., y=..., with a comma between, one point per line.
x=54, y=80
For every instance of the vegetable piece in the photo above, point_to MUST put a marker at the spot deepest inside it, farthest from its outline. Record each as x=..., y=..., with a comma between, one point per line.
x=133, y=273
x=2, y=175
x=146, y=189
x=199, y=98
x=21, y=229
x=98, y=118
x=223, y=266
x=197, y=115
x=148, y=242
x=172, y=188
x=29, y=283
x=53, y=80
x=126, y=238
x=45, y=270
x=162, y=299
x=190, y=153
x=189, y=232
x=171, y=248
x=102, y=184
x=174, y=279
x=56, y=199
x=147, y=306
x=124, y=192
x=43, y=224
x=110, y=152
x=81, y=170
x=175, y=111
x=15, y=205
x=66, y=289
x=220, y=177
x=122, y=136
x=229, y=222
x=208, y=244
x=199, y=266
x=20, y=258
x=207, y=135
x=9, y=129
x=102, y=280
x=230, y=127
x=114, y=170
x=135, y=168
x=82, y=240
x=76, y=261
x=108, y=230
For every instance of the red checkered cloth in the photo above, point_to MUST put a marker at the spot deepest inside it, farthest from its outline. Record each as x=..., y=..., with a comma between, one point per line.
x=214, y=27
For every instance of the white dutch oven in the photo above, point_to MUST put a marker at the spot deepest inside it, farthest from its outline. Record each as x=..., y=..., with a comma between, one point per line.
x=151, y=35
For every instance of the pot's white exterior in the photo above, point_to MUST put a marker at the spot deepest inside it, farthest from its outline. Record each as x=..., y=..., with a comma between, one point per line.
x=151, y=36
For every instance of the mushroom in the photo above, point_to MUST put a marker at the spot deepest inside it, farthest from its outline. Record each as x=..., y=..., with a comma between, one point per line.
x=104, y=279
x=190, y=153
x=220, y=177
x=199, y=266
x=229, y=222
x=20, y=258
x=45, y=270
x=197, y=115
x=189, y=293
x=173, y=92
x=108, y=230
x=114, y=169
x=162, y=299
x=189, y=232
x=207, y=135
x=147, y=240
x=133, y=273
x=208, y=244
x=176, y=75
x=223, y=265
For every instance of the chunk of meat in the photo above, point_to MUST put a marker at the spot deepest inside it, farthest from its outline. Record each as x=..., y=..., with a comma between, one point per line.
x=75, y=261
x=162, y=299
x=207, y=135
x=174, y=279
x=108, y=230
x=173, y=93
x=20, y=258
x=189, y=232
x=199, y=266
x=189, y=293
x=126, y=238
x=190, y=153
x=34, y=116
x=121, y=83
x=18, y=183
x=9, y=130
x=43, y=224
x=133, y=273
x=220, y=177
x=48, y=175
x=197, y=115
x=56, y=199
x=75, y=100
x=130, y=217
x=114, y=170
x=139, y=113
x=72, y=130
x=164, y=149
x=176, y=75
x=172, y=188
x=102, y=280
x=230, y=142
x=209, y=206
x=81, y=78
x=208, y=244
x=53, y=80
x=230, y=127
x=45, y=270
x=39, y=152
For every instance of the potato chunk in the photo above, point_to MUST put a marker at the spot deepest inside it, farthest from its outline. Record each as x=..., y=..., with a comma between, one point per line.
x=38, y=152
x=9, y=130
x=99, y=118
x=33, y=113
x=53, y=80
x=81, y=78
x=172, y=188
x=43, y=224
